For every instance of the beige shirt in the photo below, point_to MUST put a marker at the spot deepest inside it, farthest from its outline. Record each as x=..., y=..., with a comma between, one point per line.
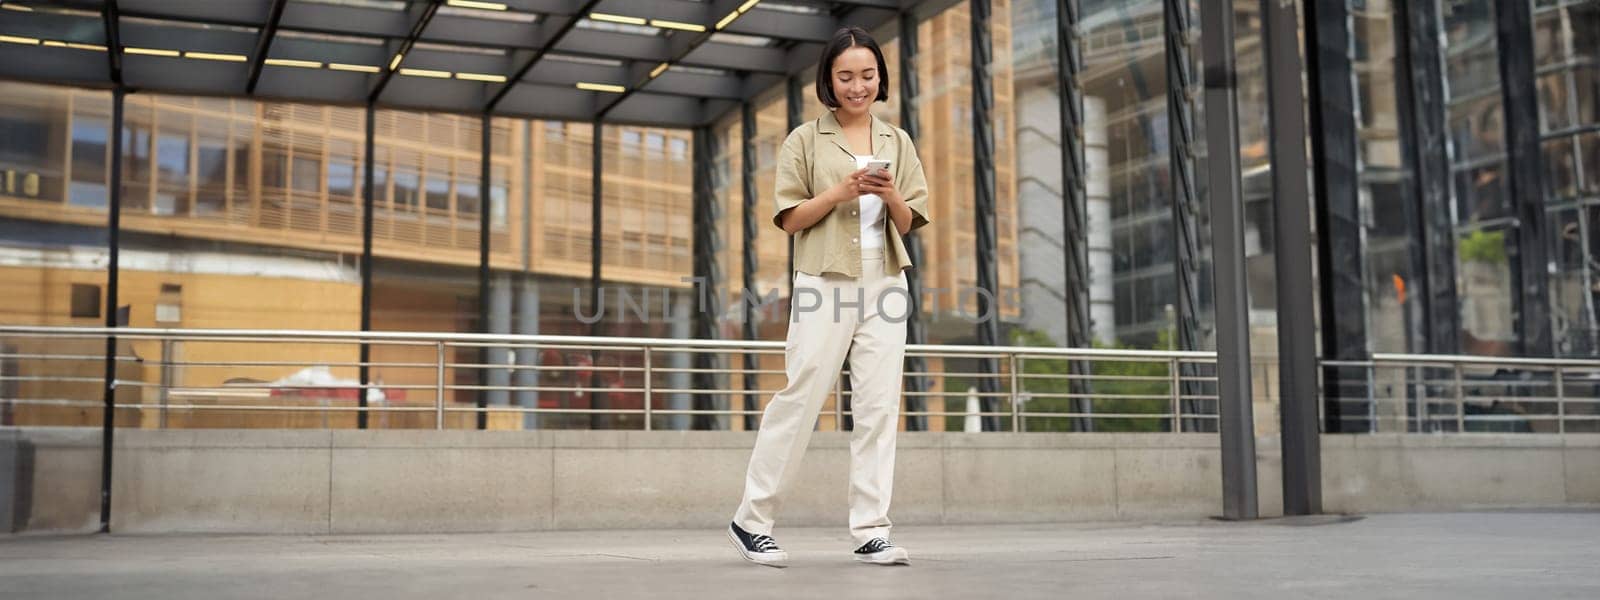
x=815, y=157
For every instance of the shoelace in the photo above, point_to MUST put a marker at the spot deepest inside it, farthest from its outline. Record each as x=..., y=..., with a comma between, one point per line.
x=764, y=543
x=875, y=546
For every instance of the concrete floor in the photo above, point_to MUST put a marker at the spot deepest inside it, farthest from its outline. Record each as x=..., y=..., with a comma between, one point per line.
x=1460, y=555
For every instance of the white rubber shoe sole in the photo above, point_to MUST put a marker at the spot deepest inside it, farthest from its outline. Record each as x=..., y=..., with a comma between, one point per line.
x=892, y=556
x=779, y=559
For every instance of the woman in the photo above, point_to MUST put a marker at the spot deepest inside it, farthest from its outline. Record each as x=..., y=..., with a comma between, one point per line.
x=850, y=297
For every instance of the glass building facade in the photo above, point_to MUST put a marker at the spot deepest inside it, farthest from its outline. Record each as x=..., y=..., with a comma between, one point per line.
x=247, y=213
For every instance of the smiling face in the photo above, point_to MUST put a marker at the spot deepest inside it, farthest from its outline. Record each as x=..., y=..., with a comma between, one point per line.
x=855, y=80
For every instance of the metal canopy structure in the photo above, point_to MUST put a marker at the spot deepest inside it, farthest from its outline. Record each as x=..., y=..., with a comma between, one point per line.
x=668, y=63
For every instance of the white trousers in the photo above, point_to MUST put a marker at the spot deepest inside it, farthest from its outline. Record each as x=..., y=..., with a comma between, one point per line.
x=830, y=316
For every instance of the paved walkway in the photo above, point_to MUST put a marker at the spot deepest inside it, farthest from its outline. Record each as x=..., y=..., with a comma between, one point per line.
x=1461, y=555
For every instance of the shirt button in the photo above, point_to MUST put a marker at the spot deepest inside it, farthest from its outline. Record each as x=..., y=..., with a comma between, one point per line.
x=855, y=240
x=852, y=212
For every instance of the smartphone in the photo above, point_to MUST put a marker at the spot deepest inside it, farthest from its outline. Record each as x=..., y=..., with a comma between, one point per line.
x=877, y=164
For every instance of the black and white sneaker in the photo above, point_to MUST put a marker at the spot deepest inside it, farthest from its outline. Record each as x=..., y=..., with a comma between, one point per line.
x=757, y=548
x=880, y=552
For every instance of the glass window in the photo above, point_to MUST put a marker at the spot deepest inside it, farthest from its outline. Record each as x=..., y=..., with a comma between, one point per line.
x=406, y=189
x=211, y=168
x=136, y=171
x=89, y=151
x=466, y=198
x=438, y=188
x=341, y=181
x=380, y=178
x=26, y=161
x=274, y=167
x=307, y=174
x=344, y=171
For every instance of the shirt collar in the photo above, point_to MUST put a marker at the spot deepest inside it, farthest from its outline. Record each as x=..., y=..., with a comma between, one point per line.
x=881, y=132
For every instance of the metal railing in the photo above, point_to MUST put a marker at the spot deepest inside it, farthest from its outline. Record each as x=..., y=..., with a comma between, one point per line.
x=235, y=378
x=1417, y=393
x=298, y=379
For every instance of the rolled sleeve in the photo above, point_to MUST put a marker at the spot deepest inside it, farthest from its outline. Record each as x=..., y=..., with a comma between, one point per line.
x=793, y=184
x=913, y=185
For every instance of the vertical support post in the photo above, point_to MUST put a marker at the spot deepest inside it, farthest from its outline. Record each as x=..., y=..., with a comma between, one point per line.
x=1074, y=204
x=1461, y=400
x=1075, y=246
x=108, y=417
x=1177, y=396
x=1561, y=400
x=1426, y=138
x=916, y=333
x=368, y=201
x=1297, y=330
x=747, y=180
x=438, y=387
x=983, y=207
x=838, y=403
x=1525, y=172
x=1015, y=395
x=649, y=389
x=597, y=398
x=168, y=356
x=1227, y=232
x=484, y=353
x=795, y=105
x=1340, y=261
x=707, y=277
x=1181, y=159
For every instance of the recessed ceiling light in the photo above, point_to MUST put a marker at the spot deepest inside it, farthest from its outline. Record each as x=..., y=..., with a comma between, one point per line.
x=601, y=87
x=426, y=73
x=610, y=18
x=476, y=4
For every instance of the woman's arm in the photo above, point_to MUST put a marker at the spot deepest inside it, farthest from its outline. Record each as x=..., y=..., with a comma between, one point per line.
x=906, y=198
x=899, y=212
x=797, y=207
x=808, y=212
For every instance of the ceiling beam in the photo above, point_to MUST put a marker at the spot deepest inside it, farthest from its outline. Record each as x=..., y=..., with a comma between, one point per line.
x=784, y=26
x=550, y=42
x=112, y=19
x=264, y=40
x=388, y=72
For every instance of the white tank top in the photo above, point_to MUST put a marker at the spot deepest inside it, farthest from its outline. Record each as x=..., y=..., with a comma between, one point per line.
x=872, y=219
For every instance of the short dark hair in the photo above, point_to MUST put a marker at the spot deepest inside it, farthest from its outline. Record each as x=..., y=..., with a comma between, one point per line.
x=844, y=39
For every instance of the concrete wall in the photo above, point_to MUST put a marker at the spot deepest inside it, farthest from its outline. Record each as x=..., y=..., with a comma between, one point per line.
x=467, y=481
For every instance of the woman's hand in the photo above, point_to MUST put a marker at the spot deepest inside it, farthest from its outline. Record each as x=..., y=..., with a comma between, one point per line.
x=878, y=182
x=848, y=189
x=881, y=184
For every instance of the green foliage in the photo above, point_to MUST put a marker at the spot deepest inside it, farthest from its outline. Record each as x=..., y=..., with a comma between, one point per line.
x=1484, y=246
x=1103, y=393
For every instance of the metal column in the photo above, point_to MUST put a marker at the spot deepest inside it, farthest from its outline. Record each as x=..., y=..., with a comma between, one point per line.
x=111, y=19
x=1525, y=172
x=1227, y=233
x=1075, y=245
x=368, y=201
x=983, y=207
x=1340, y=262
x=914, y=384
x=1185, y=196
x=597, y=399
x=1074, y=203
x=795, y=104
x=747, y=180
x=707, y=275
x=1423, y=133
x=1291, y=209
x=108, y=418
x=484, y=353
